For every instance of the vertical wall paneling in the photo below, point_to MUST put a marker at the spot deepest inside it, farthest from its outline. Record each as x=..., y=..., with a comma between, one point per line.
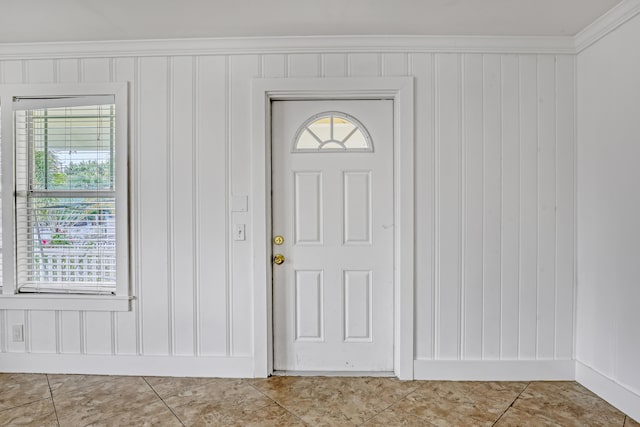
x=448, y=146
x=435, y=153
x=473, y=215
x=212, y=204
x=565, y=236
x=182, y=141
x=195, y=211
x=97, y=325
x=274, y=66
x=69, y=332
x=492, y=221
x=335, y=65
x=304, y=65
x=41, y=71
x=96, y=70
x=126, y=322
x=421, y=66
x=171, y=278
x=365, y=64
x=4, y=328
x=394, y=64
x=528, y=206
x=13, y=72
x=546, y=206
x=67, y=70
x=3, y=324
x=608, y=208
x=242, y=70
x=510, y=202
x=42, y=332
x=494, y=203
x=153, y=205
x=137, y=206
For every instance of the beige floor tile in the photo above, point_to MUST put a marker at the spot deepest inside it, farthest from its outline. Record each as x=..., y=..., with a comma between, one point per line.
x=20, y=389
x=155, y=414
x=170, y=386
x=285, y=388
x=629, y=422
x=212, y=403
x=394, y=417
x=271, y=415
x=389, y=390
x=64, y=383
x=40, y=414
x=335, y=400
x=342, y=408
x=105, y=400
x=517, y=418
x=464, y=403
x=567, y=403
x=291, y=401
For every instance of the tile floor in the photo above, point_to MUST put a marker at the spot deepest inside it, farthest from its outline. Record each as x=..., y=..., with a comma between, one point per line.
x=79, y=400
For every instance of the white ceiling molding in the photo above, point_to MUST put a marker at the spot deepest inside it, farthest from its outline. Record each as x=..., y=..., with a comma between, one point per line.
x=266, y=45
x=602, y=26
x=605, y=24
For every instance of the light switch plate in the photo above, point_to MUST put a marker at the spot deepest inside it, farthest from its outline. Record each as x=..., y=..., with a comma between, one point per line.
x=239, y=232
x=17, y=333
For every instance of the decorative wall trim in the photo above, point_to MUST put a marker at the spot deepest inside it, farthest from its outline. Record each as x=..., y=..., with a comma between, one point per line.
x=611, y=391
x=173, y=366
x=267, y=45
x=498, y=370
x=605, y=24
x=602, y=26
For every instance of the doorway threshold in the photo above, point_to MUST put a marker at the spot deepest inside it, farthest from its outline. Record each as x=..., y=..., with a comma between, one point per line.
x=334, y=374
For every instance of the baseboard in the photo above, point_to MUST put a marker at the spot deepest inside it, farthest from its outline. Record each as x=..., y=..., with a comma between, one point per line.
x=498, y=370
x=172, y=366
x=616, y=394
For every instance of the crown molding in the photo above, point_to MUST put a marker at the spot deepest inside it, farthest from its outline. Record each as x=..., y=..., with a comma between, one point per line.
x=267, y=45
x=602, y=26
x=607, y=23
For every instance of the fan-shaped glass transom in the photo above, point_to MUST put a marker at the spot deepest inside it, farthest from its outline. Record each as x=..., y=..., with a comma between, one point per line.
x=332, y=131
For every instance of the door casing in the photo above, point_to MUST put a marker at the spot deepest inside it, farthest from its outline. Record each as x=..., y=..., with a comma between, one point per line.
x=401, y=91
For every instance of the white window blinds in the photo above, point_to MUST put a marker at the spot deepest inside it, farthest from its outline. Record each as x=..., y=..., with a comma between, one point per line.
x=65, y=194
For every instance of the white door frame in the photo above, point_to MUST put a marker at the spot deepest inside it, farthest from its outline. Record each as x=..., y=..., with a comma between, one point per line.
x=398, y=89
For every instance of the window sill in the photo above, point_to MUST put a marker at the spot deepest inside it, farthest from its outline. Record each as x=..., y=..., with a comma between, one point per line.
x=65, y=302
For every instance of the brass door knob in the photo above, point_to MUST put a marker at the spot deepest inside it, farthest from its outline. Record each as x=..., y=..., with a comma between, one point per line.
x=278, y=259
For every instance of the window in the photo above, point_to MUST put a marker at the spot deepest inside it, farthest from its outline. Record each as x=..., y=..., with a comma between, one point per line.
x=64, y=158
x=332, y=131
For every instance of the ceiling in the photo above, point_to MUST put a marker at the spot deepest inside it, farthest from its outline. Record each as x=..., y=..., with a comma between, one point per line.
x=91, y=20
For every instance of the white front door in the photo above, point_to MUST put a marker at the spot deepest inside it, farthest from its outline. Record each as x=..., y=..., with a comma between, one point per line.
x=332, y=202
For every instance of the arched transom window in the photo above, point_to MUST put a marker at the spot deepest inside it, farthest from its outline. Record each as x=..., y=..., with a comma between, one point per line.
x=332, y=131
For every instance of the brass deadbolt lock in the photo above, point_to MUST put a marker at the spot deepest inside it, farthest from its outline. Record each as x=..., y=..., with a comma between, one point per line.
x=278, y=240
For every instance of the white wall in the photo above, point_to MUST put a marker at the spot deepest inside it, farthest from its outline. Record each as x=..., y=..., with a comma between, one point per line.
x=494, y=210
x=608, y=318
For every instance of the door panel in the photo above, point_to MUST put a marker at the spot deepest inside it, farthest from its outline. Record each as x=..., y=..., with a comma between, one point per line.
x=333, y=204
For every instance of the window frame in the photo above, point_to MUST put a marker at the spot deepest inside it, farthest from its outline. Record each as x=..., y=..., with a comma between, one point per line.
x=332, y=114
x=10, y=298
